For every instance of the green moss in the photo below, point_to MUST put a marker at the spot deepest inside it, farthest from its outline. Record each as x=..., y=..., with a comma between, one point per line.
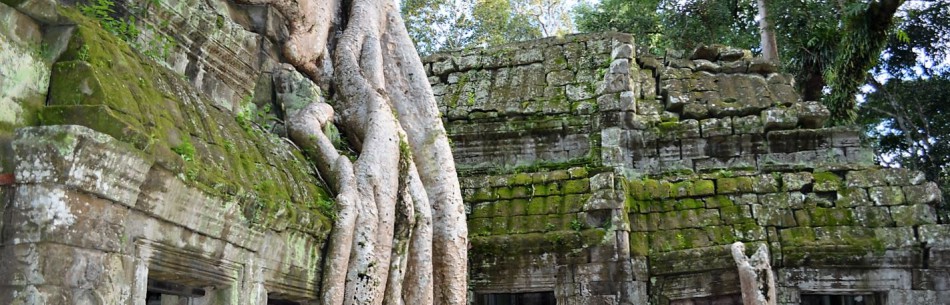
x=102, y=83
x=727, y=185
x=703, y=188
x=576, y=186
x=827, y=181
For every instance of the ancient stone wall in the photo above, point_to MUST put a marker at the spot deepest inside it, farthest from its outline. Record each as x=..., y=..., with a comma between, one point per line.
x=673, y=159
x=138, y=185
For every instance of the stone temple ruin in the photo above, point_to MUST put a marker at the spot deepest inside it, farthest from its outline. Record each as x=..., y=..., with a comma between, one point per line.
x=593, y=173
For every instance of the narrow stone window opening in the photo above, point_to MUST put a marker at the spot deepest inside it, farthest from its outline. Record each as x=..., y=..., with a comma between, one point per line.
x=842, y=299
x=167, y=293
x=524, y=298
x=277, y=300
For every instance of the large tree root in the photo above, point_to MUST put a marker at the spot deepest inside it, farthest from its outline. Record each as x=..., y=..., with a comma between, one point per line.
x=755, y=275
x=384, y=247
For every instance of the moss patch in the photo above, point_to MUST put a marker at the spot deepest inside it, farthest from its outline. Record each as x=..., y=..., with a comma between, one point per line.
x=101, y=83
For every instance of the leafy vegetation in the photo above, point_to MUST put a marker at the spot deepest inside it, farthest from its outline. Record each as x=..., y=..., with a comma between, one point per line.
x=155, y=46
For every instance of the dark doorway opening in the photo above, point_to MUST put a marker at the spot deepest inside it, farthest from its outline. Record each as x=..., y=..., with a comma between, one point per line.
x=842, y=299
x=524, y=298
x=164, y=293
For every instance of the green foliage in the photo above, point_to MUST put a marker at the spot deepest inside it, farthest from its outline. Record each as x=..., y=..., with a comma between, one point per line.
x=104, y=11
x=576, y=224
x=909, y=126
x=446, y=25
x=186, y=150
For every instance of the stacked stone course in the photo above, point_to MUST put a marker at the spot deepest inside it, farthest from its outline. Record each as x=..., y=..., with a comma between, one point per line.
x=683, y=156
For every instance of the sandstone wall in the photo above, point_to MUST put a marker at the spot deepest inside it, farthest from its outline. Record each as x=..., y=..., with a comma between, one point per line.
x=674, y=159
x=143, y=180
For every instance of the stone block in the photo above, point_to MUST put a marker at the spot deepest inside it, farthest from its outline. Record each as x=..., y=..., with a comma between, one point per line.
x=819, y=217
x=780, y=200
x=872, y=217
x=693, y=148
x=935, y=235
x=80, y=157
x=724, y=146
x=812, y=114
x=779, y=118
x=886, y=195
x=865, y=178
x=736, y=214
x=765, y=183
x=767, y=214
x=827, y=182
x=743, y=162
x=911, y=215
x=853, y=197
x=716, y=127
x=787, y=141
x=925, y=193
x=751, y=124
x=796, y=181
x=706, y=66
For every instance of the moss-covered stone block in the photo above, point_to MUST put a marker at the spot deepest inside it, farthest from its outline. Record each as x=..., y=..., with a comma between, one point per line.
x=538, y=223
x=718, y=201
x=681, y=189
x=578, y=172
x=911, y=215
x=865, y=178
x=797, y=237
x=727, y=185
x=827, y=182
x=735, y=214
x=871, y=216
x=519, y=225
x=748, y=231
x=484, y=210
x=537, y=207
x=765, y=183
x=903, y=176
x=575, y=202
x=639, y=244
x=774, y=216
x=518, y=207
x=479, y=226
x=926, y=193
x=852, y=197
x=703, y=187
x=819, y=217
x=656, y=189
x=721, y=235
x=502, y=208
x=886, y=195
x=482, y=195
x=796, y=181
x=577, y=186
x=540, y=190
x=504, y=193
x=499, y=225
x=689, y=204
x=520, y=179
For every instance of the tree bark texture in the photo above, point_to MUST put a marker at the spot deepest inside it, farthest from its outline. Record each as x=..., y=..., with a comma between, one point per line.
x=399, y=235
x=767, y=33
x=755, y=275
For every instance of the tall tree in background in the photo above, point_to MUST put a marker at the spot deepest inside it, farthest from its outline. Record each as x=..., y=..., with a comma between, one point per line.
x=906, y=115
x=829, y=45
x=437, y=25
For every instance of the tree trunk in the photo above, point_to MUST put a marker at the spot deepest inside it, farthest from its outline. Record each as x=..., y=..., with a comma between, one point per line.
x=755, y=275
x=400, y=235
x=767, y=34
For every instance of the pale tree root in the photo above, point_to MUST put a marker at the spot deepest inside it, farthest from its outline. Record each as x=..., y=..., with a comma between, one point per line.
x=755, y=275
x=384, y=248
